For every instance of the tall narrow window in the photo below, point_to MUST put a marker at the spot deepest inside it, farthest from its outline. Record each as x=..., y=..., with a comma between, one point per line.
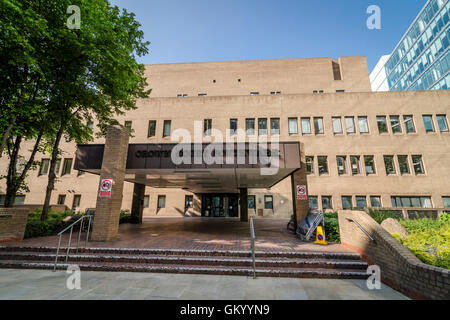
x=293, y=127
x=382, y=124
x=76, y=201
x=409, y=124
x=347, y=202
x=350, y=125
x=356, y=164
x=442, y=123
x=233, y=126
x=57, y=166
x=161, y=202
x=207, y=126
x=188, y=202
x=446, y=201
x=313, y=202
x=369, y=163
x=418, y=165
x=151, y=128
x=363, y=125
x=274, y=126
x=128, y=124
x=250, y=126
x=306, y=126
x=43, y=170
x=251, y=202
x=395, y=124
x=327, y=203
x=146, y=201
x=90, y=125
x=309, y=165
x=268, y=202
x=67, y=167
x=337, y=125
x=389, y=164
x=262, y=126
x=341, y=163
x=428, y=122
x=403, y=164
x=61, y=199
x=166, y=129
x=323, y=164
x=318, y=126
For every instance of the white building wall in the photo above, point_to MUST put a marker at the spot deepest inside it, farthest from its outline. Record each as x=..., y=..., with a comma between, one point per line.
x=378, y=77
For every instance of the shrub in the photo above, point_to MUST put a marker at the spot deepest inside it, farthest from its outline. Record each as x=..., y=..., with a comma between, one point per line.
x=332, y=227
x=380, y=215
x=54, y=224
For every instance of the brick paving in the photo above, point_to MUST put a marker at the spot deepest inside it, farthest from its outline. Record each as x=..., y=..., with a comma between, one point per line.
x=199, y=234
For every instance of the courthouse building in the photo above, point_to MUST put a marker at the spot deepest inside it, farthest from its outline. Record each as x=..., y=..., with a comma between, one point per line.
x=355, y=147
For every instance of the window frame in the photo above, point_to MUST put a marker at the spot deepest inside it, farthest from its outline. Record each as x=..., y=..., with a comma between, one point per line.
x=290, y=120
x=347, y=131
x=249, y=132
x=64, y=172
x=327, y=171
x=383, y=122
x=266, y=202
x=366, y=124
x=149, y=135
x=444, y=117
x=333, y=121
x=167, y=124
x=394, y=172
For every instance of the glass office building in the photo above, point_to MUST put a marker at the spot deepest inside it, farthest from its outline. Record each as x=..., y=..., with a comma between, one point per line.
x=421, y=60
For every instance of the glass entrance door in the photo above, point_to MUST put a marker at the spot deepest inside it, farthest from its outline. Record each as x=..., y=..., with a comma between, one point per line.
x=220, y=205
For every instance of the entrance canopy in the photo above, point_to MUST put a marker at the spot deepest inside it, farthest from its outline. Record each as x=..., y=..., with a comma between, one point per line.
x=244, y=166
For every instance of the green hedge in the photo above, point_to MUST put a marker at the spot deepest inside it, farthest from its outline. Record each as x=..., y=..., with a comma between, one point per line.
x=332, y=227
x=54, y=224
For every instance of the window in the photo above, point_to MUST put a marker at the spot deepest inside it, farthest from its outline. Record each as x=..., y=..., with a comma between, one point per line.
x=403, y=164
x=395, y=124
x=275, y=93
x=262, y=126
x=337, y=125
x=323, y=165
x=67, y=167
x=340, y=91
x=327, y=203
x=207, y=126
x=254, y=93
x=166, y=129
x=185, y=95
x=76, y=201
x=202, y=94
x=188, y=202
x=428, y=122
x=346, y=202
x=418, y=165
x=446, y=201
x=161, y=202
x=268, y=202
x=179, y=96
x=306, y=126
x=313, y=202
x=18, y=200
x=350, y=125
x=128, y=124
x=356, y=164
x=382, y=124
x=233, y=126
x=250, y=126
x=61, y=199
x=151, y=128
x=442, y=123
x=146, y=201
x=341, y=163
x=389, y=164
x=375, y=201
x=274, y=126
x=411, y=202
x=90, y=125
x=45, y=163
x=361, y=202
x=369, y=163
x=251, y=202
x=318, y=125
x=293, y=128
x=363, y=125
x=309, y=165
x=409, y=124
x=57, y=166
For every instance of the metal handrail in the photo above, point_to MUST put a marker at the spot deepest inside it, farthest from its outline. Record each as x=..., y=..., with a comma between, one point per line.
x=252, y=235
x=81, y=221
x=362, y=228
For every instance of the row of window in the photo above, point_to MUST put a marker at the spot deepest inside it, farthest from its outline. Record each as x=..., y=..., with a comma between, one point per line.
x=375, y=202
x=256, y=93
x=404, y=162
x=393, y=124
x=66, y=168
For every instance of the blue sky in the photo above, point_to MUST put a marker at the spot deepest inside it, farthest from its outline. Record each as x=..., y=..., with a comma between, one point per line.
x=218, y=30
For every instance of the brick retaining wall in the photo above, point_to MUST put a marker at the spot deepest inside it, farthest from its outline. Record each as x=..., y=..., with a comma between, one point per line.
x=400, y=269
x=12, y=224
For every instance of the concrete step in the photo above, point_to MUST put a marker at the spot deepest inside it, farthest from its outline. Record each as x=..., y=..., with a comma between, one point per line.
x=195, y=269
x=270, y=262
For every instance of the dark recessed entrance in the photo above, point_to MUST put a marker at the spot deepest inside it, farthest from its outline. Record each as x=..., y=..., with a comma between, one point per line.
x=220, y=205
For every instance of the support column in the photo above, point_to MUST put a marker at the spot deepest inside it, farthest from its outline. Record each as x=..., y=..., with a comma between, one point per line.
x=299, y=178
x=107, y=212
x=243, y=195
x=137, y=206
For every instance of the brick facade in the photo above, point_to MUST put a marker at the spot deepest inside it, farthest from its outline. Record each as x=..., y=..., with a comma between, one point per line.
x=400, y=269
x=12, y=224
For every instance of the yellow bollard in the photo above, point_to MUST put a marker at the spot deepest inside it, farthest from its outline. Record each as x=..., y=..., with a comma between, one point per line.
x=320, y=236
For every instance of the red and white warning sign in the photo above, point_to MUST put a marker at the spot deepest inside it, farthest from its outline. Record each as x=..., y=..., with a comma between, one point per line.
x=301, y=193
x=105, y=188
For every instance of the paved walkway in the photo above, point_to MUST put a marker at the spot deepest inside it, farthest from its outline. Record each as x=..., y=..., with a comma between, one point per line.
x=37, y=284
x=200, y=234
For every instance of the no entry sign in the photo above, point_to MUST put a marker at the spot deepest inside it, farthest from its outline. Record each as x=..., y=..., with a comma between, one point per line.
x=301, y=193
x=105, y=188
